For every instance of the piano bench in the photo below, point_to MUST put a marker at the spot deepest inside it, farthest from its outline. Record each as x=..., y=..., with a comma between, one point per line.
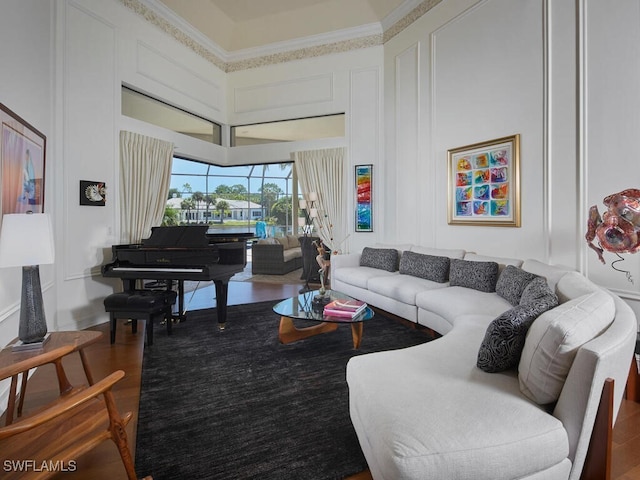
x=140, y=305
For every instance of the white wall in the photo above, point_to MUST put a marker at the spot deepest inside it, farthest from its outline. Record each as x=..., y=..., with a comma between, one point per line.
x=348, y=82
x=610, y=123
x=562, y=75
x=464, y=73
x=26, y=89
x=103, y=45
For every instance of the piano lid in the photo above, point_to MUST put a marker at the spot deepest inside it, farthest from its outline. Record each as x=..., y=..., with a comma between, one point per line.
x=184, y=236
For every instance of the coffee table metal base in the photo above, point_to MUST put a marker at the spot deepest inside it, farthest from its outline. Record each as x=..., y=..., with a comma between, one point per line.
x=289, y=333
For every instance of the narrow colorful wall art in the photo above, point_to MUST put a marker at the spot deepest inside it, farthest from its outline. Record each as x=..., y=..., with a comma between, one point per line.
x=364, y=211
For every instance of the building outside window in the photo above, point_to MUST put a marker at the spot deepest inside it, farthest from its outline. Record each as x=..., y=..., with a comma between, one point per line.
x=231, y=199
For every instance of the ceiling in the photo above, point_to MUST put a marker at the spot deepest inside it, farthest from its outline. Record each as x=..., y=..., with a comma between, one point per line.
x=243, y=24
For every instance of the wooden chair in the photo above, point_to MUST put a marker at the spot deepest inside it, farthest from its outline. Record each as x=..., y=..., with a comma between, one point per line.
x=42, y=444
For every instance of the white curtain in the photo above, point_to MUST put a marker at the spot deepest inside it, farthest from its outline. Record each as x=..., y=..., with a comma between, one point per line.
x=145, y=175
x=323, y=171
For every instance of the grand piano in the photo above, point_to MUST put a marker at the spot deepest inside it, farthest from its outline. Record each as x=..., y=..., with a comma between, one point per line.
x=181, y=253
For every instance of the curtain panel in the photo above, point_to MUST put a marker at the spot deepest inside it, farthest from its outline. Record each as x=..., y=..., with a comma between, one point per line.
x=323, y=171
x=145, y=175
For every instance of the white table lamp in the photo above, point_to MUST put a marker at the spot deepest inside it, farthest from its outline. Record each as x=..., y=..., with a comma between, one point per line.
x=26, y=240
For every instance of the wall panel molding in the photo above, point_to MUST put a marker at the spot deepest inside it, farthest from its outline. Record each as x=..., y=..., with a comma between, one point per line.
x=176, y=76
x=289, y=93
x=407, y=135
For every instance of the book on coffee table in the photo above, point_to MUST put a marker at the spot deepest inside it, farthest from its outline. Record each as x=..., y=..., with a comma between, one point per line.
x=345, y=308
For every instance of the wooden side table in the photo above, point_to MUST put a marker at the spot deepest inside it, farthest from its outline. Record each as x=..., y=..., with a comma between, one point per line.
x=59, y=345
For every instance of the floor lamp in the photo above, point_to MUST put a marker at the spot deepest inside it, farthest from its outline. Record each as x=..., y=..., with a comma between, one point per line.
x=308, y=205
x=26, y=240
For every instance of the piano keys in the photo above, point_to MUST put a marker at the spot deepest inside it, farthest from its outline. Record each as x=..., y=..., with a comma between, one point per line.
x=177, y=254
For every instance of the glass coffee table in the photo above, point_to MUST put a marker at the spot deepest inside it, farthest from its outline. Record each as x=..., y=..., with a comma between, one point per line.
x=301, y=308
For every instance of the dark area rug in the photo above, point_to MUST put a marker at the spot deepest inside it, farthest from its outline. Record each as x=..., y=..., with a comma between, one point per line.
x=239, y=405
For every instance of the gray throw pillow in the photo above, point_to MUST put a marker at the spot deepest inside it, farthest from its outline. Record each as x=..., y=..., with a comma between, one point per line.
x=480, y=276
x=381, y=258
x=512, y=282
x=537, y=289
x=430, y=267
x=504, y=339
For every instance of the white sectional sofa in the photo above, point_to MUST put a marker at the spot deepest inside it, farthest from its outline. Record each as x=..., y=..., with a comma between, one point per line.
x=438, y=410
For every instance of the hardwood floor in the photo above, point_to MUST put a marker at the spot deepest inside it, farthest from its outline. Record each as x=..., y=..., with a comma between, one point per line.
x=103, y=463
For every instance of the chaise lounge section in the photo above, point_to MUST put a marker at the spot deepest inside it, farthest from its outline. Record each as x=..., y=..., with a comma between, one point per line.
x=512, y=387
x=276, y=256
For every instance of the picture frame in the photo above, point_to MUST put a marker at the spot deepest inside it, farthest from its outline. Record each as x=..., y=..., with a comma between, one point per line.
x=364, y=198
x=93, y=193
x=484, y=183
x=22, y=164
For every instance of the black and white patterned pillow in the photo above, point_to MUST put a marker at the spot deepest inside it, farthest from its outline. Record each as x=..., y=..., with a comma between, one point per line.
x=538, y=289
x=430, y=267
x=480, y=276
x=512, y=282
x=504, y=339
x=381, y=258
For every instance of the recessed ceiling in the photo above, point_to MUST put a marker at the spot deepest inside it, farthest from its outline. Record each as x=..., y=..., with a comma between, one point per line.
x=241, y=24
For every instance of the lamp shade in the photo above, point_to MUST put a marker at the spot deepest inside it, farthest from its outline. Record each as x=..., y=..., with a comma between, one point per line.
x=26, y=239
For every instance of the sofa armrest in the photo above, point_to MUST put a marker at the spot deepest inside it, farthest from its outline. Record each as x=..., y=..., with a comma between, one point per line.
x=345, y=260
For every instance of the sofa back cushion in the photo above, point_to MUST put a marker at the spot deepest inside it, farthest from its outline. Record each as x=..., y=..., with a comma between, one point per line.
x=574, y=285
x=439, y=252
x=480, y=276
x=512, y=282
x=554, y=339
x=284, y=241
x=501, y=261
x=430, y=267
x=380, y=258
x=293, y=241
x=552, y=273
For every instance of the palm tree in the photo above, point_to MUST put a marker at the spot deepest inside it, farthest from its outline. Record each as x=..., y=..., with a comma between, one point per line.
x=197, y=198
x=187, y=204
x=222, y=206
x=210, y=201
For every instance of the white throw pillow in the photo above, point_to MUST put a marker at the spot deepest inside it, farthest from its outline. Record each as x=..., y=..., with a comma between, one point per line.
x=554, y=339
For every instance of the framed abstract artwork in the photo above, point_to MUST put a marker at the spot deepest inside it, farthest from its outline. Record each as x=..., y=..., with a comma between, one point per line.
x=364, y=210
x=484, y=183
x=93, y=193
x=22, y=161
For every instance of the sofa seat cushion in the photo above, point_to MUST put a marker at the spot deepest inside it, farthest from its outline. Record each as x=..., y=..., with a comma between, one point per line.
x=403, y=288
x=291, y=254
x=461, y=428
x=359, y=276
x=450, y=303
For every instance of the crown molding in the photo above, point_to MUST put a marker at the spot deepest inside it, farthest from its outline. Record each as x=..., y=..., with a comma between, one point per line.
x=398, y=13
x=363, y=36
x=311, y=41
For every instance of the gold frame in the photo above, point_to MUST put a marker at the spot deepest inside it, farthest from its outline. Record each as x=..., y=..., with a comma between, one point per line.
x=484, y=183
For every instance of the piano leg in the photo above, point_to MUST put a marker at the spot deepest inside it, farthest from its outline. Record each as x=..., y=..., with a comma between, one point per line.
x=182, y=317
x=222, y=290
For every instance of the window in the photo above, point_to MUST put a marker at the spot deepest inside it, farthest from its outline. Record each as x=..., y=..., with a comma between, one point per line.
x=288, y=130
x=148, y=109
x=231, y=198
